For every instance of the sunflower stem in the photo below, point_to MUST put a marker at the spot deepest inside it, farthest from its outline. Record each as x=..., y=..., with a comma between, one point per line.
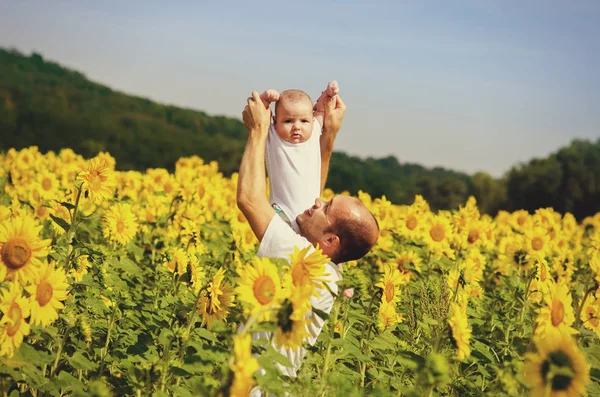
x=361, y=365
x=332, y=325
x=522, y=315
x=105, y=349
x=59, y=351
x=578, y=318
x=71, y=233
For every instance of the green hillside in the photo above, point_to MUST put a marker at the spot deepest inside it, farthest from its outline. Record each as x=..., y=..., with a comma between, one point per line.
x=48, y=105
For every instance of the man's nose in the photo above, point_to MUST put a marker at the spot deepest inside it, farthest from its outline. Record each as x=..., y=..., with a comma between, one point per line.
x=318, y=202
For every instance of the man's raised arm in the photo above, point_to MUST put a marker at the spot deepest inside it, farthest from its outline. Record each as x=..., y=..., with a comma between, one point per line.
x=334, y=114
x=252, y=185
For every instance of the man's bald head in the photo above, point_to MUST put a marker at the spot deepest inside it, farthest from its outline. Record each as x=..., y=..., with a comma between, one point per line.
x=343, y=227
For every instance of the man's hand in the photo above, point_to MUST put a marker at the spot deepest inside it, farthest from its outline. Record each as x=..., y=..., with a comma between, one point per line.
x=256, y=115
x=334, y=114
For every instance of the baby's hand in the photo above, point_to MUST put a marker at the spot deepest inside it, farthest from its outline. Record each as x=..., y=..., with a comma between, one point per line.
x=269, y=96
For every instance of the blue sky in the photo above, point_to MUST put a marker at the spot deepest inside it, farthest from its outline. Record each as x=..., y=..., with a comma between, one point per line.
x=472, y=85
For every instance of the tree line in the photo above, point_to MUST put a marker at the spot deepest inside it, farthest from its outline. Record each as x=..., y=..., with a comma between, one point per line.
x=45, y=104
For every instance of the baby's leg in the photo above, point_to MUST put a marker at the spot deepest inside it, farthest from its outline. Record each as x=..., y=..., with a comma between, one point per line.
x=269, y=96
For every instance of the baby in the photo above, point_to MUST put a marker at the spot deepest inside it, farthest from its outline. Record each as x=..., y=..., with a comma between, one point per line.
x=293, y=154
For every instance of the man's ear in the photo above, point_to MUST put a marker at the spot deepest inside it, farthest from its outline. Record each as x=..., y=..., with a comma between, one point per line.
x=332, y=241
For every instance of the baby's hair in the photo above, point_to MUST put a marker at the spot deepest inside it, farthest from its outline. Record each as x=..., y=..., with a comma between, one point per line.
x=292, y=96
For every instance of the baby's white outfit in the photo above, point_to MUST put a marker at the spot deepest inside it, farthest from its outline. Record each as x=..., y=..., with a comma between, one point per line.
x=294, y=172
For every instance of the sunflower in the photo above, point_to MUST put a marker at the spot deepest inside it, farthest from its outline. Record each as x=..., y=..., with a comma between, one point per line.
x=390, y=283
x=243, y=367
x=80, y=267
x=537, y=241
x=558, y=369
x=13, y=327
x=466, y=215
x=21, y=249
x=387, y=316
x=59, y=211
x=120, y=224
x=595, y=266
x=259, y=288
x=556, y=312
x=177, y=261
x=590, y=314
x=197, y=273
x=405, y=258
x=461, y=332
x=215, y=303
x=438, y=234
x=47, y=294
x=411, y=224
x=290, y=333
x=292, y=317
x=520, y=220
x=47, y=185
x=308, y=268
x=97, y=181
x=41, y=212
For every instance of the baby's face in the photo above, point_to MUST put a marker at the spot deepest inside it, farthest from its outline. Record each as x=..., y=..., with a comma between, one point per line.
x=294, y=121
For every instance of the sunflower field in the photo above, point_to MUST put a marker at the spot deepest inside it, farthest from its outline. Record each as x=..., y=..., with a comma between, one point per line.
x=147, y=284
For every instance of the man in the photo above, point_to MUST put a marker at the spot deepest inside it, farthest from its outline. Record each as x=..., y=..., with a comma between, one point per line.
x=342, y=227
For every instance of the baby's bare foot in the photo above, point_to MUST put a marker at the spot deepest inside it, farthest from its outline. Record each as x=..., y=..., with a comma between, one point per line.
x=331, y=91
x=269, y=96
x=332, y=88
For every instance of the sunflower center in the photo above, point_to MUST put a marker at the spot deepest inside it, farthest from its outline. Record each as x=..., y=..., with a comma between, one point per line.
x=558, y=359
x=521, y=220
x=16, y=316
x=537, y=243
x=46, y=183
x=299, y=274
x=41, y=212
x=437, y=233
x=473, y=236
x=519, y=257
x=558, y=312
x=264, y=289
x=411, y=222
x=283, y=317
x=120, y=226
x=44, y=293
x=591, y=316
x=389, y=291
x=95, y=181
x=400, y=263
x=15, y=253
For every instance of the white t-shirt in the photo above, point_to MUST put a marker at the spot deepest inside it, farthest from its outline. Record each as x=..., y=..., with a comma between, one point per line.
x=279, y=242
x=294, y=171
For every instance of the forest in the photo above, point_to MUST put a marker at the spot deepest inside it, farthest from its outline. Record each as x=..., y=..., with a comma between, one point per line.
x=50, y=106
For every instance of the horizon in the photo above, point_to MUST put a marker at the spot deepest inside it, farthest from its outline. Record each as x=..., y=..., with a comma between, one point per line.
x=530, y=93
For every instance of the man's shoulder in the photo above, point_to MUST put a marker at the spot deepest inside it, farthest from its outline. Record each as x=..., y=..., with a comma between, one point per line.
x=280, y=239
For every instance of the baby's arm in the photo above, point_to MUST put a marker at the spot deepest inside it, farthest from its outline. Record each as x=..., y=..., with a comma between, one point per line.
x=319, y=109
x=269, y=96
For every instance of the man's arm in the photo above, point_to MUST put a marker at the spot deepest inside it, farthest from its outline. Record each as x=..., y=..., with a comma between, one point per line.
x=252, y=186
x=334, y=114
